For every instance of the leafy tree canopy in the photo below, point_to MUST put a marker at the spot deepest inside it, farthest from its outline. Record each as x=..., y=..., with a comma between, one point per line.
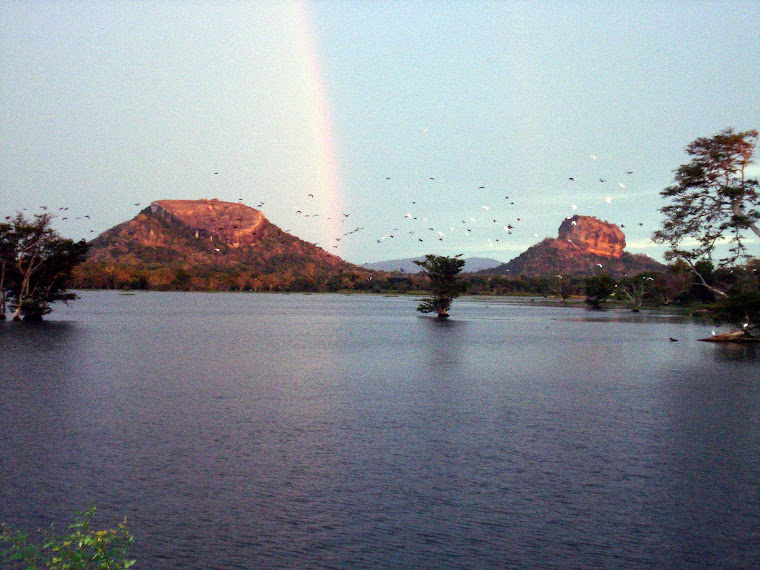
x=712, y=202
x=35, y=265
x=598, y=290
x=445, y=287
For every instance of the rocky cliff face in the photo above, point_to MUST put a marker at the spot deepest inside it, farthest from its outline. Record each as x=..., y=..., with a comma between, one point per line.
x=232, y=224
x=584, y=246
x=593, y=236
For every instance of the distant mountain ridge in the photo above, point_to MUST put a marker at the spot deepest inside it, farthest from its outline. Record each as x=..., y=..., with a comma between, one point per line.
x=584, y=246
x=407, y=265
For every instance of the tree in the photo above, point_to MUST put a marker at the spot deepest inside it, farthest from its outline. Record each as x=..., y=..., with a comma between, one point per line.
x=598, y=290
x=741, y=304
x=7, y=255
x=444, y=285
x=712, y=202
x=561, y=289
x=635, y=289
x=35, y=265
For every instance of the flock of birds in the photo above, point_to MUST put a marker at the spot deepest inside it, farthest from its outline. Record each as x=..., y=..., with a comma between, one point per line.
x=489, y=223
x=62, y=214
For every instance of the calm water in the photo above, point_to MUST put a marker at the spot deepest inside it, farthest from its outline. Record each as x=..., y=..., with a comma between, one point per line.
x=270, y=431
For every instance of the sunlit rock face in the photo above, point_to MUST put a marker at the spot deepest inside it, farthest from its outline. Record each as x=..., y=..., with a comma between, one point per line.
x=585, y=246
x=232, y=224
x=203, y=234
x=593, y=236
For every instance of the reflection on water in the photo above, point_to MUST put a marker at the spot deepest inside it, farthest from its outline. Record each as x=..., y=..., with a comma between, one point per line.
x=443, y=344
x=348, y=431
x=735, y=352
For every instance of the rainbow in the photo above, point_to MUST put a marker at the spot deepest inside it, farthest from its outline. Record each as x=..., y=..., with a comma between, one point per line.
x=328, y=180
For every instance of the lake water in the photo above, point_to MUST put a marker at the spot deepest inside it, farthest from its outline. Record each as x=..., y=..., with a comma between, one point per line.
x=329, y=431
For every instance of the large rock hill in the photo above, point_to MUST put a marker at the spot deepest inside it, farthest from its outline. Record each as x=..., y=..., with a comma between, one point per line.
x=205, y=244
x=584, y=246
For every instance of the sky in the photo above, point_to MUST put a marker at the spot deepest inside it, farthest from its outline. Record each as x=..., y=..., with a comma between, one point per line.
x=380, y=129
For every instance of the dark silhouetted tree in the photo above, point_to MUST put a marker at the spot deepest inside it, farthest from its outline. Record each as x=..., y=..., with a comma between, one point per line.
x=444, y=284
x=36, y=265
x=712, y=203
x=598, y=289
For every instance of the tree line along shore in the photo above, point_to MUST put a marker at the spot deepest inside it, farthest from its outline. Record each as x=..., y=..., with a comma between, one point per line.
x=711, y=217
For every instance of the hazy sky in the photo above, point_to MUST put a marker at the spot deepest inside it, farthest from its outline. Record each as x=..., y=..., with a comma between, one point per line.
x=370, y=106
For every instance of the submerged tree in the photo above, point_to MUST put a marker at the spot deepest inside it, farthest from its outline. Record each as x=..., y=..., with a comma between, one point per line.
x=35, y=265
x=444, y=284
x=712, y=203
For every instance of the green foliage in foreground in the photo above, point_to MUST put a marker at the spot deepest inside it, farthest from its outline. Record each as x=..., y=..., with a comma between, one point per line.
x=83, y=548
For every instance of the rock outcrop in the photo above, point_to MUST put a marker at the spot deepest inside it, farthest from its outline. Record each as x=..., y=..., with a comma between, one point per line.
x=205, y=244
x=584, y=246
x=232, y=224
x=593, y=236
